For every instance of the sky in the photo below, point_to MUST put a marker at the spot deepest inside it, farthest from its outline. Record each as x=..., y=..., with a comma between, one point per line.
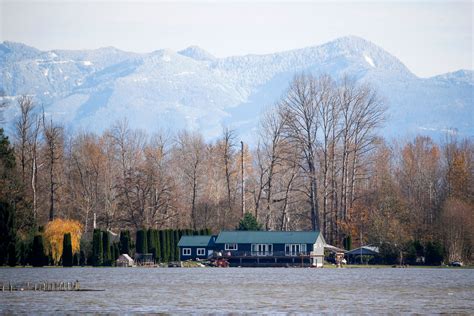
x=429, y=37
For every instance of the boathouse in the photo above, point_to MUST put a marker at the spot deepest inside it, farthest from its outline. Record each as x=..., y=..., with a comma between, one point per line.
x=196, y=247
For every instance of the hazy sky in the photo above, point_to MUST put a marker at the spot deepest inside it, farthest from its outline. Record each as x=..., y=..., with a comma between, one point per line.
x=430, y=37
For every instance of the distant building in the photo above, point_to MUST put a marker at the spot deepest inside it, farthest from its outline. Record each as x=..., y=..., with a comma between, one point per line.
x=124, y=260
x=196, y=247
x=362, y=254
x=144, y=259
x=259, y=248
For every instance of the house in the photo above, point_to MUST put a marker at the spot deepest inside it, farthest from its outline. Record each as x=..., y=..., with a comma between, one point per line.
x=196, y=247
x=272, y=248
x=124, y=260
x=258, y=248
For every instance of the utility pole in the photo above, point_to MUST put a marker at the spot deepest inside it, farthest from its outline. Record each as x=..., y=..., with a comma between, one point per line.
x=243, y=182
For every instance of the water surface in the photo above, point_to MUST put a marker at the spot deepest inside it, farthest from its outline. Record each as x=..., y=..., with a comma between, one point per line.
x=240, y=290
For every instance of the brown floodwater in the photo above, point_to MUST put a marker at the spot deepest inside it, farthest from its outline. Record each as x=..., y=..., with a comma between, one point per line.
x=244, y=290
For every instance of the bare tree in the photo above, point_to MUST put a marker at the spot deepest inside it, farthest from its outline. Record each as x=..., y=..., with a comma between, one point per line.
x=53, y=135
x=226, y=145
x=300, y=108
x=191, y=152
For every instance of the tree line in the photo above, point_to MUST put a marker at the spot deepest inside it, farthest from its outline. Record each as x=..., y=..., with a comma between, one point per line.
x=318, y=163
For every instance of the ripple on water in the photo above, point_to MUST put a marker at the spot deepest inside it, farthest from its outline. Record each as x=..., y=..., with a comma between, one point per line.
x=237, y=290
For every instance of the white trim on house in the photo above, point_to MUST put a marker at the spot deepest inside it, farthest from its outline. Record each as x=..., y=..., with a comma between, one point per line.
x=295, y=249
x=262, y=249
x=230, y=246
x=186, y=251
x=200, y=251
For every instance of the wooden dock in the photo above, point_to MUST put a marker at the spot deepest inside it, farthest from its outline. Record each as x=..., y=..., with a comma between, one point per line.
x=44, y=287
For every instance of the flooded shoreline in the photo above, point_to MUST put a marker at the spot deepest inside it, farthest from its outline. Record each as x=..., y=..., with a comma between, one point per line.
x=253, y=290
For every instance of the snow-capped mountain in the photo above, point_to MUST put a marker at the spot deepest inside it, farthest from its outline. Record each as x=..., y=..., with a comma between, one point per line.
x=192, y=89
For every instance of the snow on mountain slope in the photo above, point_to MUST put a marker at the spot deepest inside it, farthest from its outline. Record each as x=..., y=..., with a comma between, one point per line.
x=193, y=89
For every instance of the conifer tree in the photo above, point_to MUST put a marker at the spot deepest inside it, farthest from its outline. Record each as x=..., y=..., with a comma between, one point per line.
x=124, y=244
x=38, y=257
x=97, y=248
x=67, y=251
x=161, y=237
x=166, y=255
x=150, y=242
x=107, y=256
x=171, y=245
x=141, y=243
x=158, y=246
x=176, y=249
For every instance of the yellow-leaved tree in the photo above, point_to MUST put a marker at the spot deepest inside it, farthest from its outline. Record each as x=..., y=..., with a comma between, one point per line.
x=54, y=235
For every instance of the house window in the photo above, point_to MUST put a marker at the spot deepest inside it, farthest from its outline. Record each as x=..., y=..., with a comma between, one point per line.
x=262, y=249
x=186, y=251
x=230, y=247
x=295, y=249
x=201, y=251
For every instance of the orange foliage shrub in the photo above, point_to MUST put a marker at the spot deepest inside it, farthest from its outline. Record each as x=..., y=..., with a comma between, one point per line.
x=54, y=235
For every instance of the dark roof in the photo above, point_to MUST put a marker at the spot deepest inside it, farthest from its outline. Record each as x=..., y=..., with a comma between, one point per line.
x=364, y=251
x=264, y=237
x=196, y=241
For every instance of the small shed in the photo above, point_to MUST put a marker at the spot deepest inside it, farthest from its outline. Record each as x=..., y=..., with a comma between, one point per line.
x=144, y=259
x=357, y=255
x=196, y=247
x=124, y=260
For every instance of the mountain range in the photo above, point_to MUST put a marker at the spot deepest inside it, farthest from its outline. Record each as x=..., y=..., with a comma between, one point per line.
x=169, y=90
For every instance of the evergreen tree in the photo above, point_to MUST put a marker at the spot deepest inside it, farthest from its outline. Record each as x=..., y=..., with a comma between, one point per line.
x=171, y=245
x=176, y=249
x=7, y=232
x=347, y=242
x=166, y=255
x=434, y=253
x=97, y=248
x=12, y=254
x=141, y=246
x=107, y=256
x=249, y=222
x=116, y=252
x=38, y=257
x=10, y=197
x=158, y=246
x=82, y=258
x=67, y=251
x=150, y=239
x=124, y=245
x=24, y=252
x=161, y=237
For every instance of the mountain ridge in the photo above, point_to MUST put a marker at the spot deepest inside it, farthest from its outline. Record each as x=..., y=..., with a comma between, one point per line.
x=193, y=89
